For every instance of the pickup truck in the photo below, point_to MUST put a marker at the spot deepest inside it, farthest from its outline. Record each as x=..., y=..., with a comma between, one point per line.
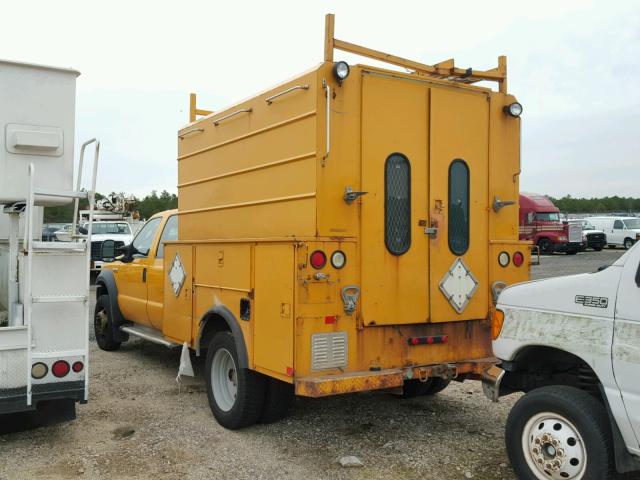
x=572, y=344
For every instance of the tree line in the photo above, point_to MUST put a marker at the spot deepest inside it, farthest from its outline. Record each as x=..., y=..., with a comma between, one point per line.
x=146, y=207
x=615, y=204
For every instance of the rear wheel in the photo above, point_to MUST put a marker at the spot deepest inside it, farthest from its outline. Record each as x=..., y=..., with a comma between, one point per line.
x=559, y=432
x=236, y=395
x=628, y=243
x=436, y=385
x=278, y=401
x=597, y=249
x=545, y=246
x=415, y=387
x=103, y=325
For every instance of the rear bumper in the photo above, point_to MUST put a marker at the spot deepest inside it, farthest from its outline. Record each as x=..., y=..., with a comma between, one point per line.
x=15, y=399
x=491, y=380
x=327, y=385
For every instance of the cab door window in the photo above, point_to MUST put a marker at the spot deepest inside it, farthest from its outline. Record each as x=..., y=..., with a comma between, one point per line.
x=618, y=225
x=169, y=234
x=143, y=241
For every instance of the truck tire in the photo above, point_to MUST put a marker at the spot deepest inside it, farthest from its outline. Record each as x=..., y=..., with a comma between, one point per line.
x=598, y=248
x=560, y=432
x=436, y=385
x=103, y=325
x=628, y=243
x=415, y=387
x=572, y=252
x=278, y=401
x=236, y=395
x=546, y=246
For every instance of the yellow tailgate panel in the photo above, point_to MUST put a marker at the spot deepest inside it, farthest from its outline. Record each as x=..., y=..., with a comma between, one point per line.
x=274, y=265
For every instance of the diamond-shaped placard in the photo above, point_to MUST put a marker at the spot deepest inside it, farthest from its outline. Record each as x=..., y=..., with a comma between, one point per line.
x=458, y=285
x=177, y=275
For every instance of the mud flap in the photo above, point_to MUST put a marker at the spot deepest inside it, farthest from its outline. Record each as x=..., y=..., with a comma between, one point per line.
x=48, y=412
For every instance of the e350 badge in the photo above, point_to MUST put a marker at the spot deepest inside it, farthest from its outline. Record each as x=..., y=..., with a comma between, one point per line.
x=594, y=302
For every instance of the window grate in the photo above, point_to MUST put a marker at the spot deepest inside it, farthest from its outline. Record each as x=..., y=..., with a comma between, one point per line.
x=397, y=204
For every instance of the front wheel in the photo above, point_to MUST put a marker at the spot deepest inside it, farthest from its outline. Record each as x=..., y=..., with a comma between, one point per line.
x=103, y=325
x=236, y=395
x=628, y=243
x=597, y=249
x=545, y=246
x=559, y=432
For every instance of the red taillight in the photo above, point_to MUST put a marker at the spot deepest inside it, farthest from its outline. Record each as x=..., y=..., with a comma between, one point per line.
x=518, y=259
x=330, y=319
x=60, y=369
x=434, y=339
x=77, y=367
x=318, y=259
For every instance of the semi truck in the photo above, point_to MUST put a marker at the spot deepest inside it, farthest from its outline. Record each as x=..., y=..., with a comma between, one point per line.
x=347, y=230
x=540, y=223
x=572, y=344
x=44, y=285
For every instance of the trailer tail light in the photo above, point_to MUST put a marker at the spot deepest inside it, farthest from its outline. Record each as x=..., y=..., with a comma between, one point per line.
x=330, y=319
x=318, y=259
x=503, y=259
x=431, y=340
x=39, y=370
x=77, y=367
x=497, y=320
x=60, y=369
x=518, y=259
x=338, y=259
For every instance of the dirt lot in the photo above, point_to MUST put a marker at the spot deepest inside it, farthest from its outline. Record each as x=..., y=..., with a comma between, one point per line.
x=140, y=423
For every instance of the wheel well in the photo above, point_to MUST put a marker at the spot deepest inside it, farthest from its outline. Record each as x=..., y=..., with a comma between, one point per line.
x=540, y=366
x=101, y=289
x=211, y=325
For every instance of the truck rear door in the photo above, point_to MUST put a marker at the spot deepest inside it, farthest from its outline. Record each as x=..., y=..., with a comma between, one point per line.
x=425, y=168
x=458, y=203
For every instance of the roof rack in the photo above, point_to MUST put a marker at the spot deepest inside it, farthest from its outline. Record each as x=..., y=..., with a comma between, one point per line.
x=445, y=70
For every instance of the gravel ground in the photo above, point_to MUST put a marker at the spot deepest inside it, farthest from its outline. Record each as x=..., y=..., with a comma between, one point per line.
x=140, y=423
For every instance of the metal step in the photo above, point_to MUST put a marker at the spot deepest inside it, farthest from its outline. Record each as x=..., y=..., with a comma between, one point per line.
x=59, y=298
x=52, y=192
x=149, y=334
x=59, y=246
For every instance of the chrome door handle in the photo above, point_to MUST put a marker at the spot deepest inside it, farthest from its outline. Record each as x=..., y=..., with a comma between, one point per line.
x=431, y=231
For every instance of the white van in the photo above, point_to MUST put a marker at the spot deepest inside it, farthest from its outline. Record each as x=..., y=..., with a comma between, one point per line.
x=620, y=231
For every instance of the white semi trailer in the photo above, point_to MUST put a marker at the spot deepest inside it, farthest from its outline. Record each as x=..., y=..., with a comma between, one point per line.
x=44, y=286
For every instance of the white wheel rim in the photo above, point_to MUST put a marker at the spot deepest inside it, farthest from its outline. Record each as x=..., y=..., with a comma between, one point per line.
x=554, y=448
x=224, y=379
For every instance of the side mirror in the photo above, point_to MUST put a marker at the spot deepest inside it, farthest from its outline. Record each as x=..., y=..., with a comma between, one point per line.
x=83, y=230
x=108, y=251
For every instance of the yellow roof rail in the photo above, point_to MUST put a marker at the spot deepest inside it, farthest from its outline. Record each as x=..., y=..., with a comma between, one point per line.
x=443, y=70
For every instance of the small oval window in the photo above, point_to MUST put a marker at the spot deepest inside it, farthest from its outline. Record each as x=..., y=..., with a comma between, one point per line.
x=458, y=207
x=397, y=204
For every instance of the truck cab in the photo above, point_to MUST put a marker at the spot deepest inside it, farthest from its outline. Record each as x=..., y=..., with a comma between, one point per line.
x=540, y=223
x=138, y=274
x=572, y=344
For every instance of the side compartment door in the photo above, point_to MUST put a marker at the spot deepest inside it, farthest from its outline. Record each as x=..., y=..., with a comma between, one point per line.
x=626, y=341
x=394, y=247
x=131, y=278
x=458, y=201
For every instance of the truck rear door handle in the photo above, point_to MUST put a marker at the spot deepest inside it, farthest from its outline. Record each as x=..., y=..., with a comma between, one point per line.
x=431, y=231
x=144, y=274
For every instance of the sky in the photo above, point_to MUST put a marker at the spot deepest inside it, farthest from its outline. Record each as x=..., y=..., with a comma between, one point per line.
x=572, y=64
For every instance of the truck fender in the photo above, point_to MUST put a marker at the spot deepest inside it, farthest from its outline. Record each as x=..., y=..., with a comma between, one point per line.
x=221, y=312
x=107, y=281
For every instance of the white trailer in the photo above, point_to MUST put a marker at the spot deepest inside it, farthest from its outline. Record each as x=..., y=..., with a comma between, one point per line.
x=44, y=290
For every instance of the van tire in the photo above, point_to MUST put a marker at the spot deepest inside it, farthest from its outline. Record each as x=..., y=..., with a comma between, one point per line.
x=103, y=325
x=628, y=243
x=546, y=246
x=278, y=401
x=236, y=395
x=573, y=412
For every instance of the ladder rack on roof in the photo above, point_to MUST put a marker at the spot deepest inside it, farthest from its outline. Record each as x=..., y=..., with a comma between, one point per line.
x=445, y=70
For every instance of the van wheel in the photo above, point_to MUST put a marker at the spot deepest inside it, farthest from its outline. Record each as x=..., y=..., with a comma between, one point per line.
x=278, y=401
x=103, y=325
x=559, y=432
x=236, y=395
x=628, y=243
x=545, y=246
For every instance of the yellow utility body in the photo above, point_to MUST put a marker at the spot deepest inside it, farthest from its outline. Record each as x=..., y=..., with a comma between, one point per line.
x=351, y=227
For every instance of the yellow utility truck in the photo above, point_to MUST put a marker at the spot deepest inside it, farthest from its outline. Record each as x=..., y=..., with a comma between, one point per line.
x=347, y=230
